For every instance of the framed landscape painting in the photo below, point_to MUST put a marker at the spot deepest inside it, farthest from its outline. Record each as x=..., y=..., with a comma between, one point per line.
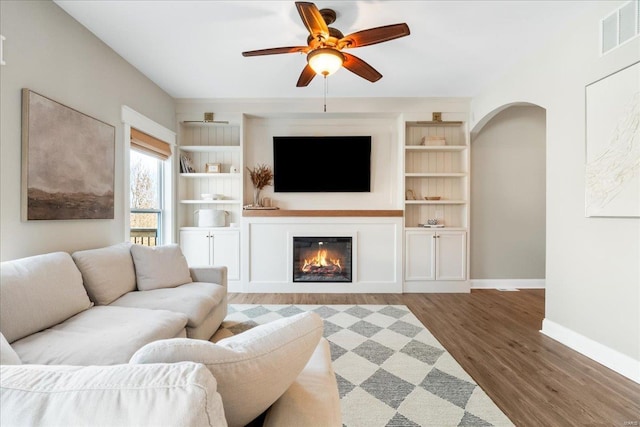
x=68, y=162
x=612, y=172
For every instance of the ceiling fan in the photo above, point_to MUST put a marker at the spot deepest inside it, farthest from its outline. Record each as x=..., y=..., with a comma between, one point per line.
x=325, y=45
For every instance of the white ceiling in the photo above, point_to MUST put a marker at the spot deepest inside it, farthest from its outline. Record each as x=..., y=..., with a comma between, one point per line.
x=192, y=49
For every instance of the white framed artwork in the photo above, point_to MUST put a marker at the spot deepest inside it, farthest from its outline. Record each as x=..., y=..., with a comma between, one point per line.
x=612, y=170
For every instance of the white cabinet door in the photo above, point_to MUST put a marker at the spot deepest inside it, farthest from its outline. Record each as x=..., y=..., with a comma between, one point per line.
x=196, y=247
x=226, y=251
x=419, y=255
x=451, y=254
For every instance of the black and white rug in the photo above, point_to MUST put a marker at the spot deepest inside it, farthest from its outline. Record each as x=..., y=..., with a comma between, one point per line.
x=391, y=371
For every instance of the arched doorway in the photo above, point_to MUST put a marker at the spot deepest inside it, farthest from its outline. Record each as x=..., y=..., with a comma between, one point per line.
x=508, y=198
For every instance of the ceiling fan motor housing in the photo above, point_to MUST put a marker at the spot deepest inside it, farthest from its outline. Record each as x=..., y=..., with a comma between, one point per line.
x=329, y=15
x=334, y=36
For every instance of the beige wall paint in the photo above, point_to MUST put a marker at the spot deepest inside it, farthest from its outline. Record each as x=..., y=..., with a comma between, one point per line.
x=508, y=196
x=592, y=267
x=48, y=52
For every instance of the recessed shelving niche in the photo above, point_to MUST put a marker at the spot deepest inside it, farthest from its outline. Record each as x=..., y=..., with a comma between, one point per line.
x=436, y=171
x=210, y=143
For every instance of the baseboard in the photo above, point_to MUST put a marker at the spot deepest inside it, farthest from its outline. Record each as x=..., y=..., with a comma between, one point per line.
x=612, y=359
x=507, y=283
x=436, y=286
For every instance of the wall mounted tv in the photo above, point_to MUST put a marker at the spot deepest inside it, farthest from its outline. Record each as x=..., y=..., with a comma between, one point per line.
x=317, y=164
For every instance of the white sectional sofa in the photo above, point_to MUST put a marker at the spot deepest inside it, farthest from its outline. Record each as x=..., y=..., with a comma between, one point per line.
x=47, y=316
x=109, y=337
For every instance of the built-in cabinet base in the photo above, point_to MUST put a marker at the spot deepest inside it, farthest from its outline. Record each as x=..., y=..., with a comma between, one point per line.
x=212, y=247
x=435, y=261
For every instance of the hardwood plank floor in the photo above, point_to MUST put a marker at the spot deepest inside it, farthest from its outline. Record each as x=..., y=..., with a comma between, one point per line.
x=495, y=336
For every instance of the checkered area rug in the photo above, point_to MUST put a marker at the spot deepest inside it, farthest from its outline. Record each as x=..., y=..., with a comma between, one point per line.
x=391, y=371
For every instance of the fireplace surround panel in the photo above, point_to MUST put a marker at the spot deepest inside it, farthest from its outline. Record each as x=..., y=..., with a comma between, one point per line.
x=376, y=254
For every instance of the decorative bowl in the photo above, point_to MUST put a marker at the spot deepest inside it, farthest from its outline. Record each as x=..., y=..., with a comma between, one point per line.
x=433, y=198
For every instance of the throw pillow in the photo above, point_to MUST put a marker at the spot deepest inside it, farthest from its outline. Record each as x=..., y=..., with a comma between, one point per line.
x=39, y=292
x=107, y=273
x=8, y=355
x=254, y=368
x=160, y=267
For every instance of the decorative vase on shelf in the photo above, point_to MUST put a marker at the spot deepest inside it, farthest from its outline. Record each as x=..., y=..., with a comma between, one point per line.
x=261, y=176
x=256, y=197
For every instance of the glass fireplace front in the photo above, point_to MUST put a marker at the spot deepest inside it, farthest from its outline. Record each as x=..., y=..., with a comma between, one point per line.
x=322, y=259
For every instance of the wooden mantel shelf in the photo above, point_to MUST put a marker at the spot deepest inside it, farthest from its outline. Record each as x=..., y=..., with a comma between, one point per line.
x=320, y=213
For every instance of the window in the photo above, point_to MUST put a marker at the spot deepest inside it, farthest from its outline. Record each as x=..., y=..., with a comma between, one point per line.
x=148, y=163
x=146, y=198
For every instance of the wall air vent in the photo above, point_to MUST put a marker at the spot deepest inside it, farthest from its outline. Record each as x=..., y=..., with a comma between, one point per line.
x=620, y=26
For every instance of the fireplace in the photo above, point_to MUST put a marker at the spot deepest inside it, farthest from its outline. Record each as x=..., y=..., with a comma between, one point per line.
x=322, y=259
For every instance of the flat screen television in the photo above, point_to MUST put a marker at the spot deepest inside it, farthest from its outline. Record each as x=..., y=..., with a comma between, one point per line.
x=316, y=164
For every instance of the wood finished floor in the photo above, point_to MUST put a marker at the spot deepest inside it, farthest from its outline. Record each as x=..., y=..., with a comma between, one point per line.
x=495, y=337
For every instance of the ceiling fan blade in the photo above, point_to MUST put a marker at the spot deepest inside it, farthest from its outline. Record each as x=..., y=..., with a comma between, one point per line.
x=361, y=68
x=276, y=51
x=312, y=19
x=374, y=35
x=306, y=76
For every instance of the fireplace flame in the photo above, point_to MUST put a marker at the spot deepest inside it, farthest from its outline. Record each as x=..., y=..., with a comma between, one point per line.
x=323, y=261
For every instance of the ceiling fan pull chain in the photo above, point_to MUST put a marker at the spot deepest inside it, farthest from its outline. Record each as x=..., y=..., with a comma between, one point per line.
x=325, y=93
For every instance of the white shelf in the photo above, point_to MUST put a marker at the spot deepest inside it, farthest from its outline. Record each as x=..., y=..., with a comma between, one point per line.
x=211, y=202
x=198, y=123
x=436, y=175
x=435, y=229
x=436, y=147
x=431, y=123
x=208, y=148
x=212, y=228
x=435, y=202
x=209, y=175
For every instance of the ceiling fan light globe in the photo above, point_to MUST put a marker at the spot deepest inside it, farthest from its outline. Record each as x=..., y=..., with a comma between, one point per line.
x=325, y=61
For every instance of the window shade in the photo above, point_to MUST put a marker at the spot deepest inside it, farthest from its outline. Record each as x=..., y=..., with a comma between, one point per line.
x=149, y=145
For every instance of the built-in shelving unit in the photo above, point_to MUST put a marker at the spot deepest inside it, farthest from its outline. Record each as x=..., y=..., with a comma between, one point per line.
x=436, y=258
x=215, y=153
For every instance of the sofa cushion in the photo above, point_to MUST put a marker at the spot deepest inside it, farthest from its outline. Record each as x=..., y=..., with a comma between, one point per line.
x=195, y=300
x=39, y=292
x=253, y=368
x=103, y=335
x=8, y=356
x=181, y=394
x=160, y=267
x=107, y=273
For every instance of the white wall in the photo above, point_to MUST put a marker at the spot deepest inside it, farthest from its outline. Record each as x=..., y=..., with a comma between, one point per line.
x=593, y=264
x=508, y=197
x=48, y=52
